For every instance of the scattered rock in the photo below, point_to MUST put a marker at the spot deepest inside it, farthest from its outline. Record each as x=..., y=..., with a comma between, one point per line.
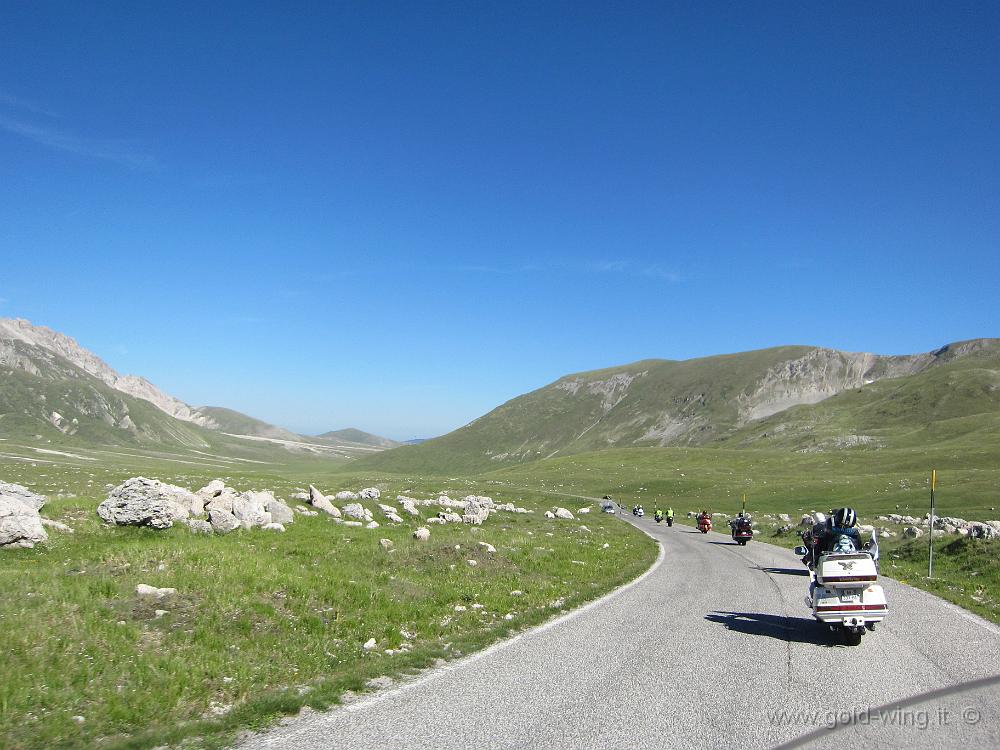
x=213, y=489
x=198, y=525
x=370, y=493
x=549, y=514
x=369, y=644
x=50, y=524
x=371, y=525
x=488, y=547
x=273, y=527
x=450, y=518
x=472, y=563
x=357, y=511
x=353, y=523
x=585, y=509
x=223, y=522
x=386, y=544
x=280, y=513
x=563, y=513
x=346, y=495
x=423, y=534
x=146, y=590
x=912, y=532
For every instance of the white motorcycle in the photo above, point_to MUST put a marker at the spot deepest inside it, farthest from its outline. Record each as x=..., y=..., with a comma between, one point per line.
x=844, y=592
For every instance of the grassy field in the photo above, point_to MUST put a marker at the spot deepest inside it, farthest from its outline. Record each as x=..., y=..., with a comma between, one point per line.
x=264, y=623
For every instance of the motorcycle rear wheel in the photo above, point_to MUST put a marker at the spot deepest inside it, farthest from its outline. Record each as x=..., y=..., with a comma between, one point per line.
x=852, y=637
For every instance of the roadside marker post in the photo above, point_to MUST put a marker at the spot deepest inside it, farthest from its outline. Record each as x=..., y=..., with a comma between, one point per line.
x=930, y=535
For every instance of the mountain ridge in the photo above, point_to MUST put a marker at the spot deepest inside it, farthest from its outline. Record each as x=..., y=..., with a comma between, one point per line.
x=655, y=402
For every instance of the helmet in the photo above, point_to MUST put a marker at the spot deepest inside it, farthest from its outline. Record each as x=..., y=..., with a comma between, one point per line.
x=845, y=518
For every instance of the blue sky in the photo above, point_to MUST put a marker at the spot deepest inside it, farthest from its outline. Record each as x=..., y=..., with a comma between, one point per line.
x=397, y=216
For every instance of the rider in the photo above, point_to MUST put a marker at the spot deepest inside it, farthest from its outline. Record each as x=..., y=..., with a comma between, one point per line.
x=670, y=513
x=830, y=534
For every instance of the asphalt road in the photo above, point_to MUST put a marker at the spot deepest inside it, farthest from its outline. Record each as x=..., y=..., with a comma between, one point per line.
x=707, y=649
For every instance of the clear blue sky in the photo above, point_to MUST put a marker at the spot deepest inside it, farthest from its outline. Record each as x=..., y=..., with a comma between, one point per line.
x=397, y=216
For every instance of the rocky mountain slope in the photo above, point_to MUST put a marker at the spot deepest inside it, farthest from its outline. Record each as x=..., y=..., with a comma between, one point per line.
x=51, y=388
x=659, y=403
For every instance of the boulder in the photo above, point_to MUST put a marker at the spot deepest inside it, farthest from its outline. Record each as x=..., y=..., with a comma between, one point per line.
x=474, y=513
x=584, y=509
x=488, y=547
x=249, y=509
x=450, y=517
x=912, y=532
x=273, y=527
x=346, y=495
x=23, y=495
x=357, y=511
x=198, y=525
x=393, y=518
x=369, y=493
x=222, y=521
x=422, y=534
x=147, y=502
x=549, y=514
x=978, y=530
x=408, y=505
x=319, y=501
x=280, y=513
x=213, y=489
x=784, y=518
x=386, y=544
x=371, y=525
x=563, y=513
x=20, y=524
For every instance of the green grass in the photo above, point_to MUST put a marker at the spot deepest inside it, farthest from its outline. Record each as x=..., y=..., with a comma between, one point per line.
x=263, y=622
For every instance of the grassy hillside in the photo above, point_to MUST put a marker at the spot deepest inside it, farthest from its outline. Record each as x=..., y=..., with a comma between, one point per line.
x=359, y=437
x=708, y=400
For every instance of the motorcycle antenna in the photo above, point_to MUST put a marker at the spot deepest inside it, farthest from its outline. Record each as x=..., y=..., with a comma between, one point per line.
x=930, y=535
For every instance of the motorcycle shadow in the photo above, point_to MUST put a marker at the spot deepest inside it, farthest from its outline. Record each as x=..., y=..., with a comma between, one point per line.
x=789, y=629
x=786, y=571
x=727, y=544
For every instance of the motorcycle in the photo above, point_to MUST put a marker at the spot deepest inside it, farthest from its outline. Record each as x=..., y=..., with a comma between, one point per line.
x=640, y=512
x=658, y=517
x=704, y=524
x=670, y=520
x=844, y=593
x=742, y=531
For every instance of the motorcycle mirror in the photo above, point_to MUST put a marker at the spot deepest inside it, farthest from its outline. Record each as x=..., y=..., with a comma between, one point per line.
x=801, y=551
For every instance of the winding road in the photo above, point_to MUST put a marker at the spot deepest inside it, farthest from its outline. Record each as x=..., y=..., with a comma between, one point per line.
x=712, y=647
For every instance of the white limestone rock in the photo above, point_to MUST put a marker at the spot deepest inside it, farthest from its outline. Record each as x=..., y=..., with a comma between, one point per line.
x=147, y=502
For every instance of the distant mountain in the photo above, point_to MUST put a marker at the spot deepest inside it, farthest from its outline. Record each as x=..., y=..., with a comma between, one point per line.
x=693, y=402
x=53, y=389
x=359, y=437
